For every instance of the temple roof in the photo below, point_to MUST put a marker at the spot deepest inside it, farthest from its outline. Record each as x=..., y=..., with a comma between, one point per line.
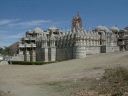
x=102, y=28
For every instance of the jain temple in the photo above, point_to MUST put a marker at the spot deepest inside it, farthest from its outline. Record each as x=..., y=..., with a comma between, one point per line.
x=55, y=45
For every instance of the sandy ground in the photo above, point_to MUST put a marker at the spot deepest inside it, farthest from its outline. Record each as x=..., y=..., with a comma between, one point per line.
x=25, y=80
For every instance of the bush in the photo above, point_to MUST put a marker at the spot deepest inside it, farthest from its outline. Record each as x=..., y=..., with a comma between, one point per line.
x=28, y=63
x=2, y=93
x=114, y=82
x=85, y=92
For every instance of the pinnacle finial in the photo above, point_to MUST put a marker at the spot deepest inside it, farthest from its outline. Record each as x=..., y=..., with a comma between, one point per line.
x=78, y=14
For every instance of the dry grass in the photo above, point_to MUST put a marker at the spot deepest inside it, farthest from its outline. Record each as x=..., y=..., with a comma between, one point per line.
x=113, y=83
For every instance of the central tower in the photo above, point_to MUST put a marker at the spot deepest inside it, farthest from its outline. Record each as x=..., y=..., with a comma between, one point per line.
x=79, y=49
x=77, y=23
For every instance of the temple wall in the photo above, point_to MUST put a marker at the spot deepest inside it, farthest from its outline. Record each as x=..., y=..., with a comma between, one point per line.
x=111, y=49
x=79, y=52
x=92, y=50
x=18, y=57
x=63, y=53
x=39, y=54
x=58, y=54
x=42, y=54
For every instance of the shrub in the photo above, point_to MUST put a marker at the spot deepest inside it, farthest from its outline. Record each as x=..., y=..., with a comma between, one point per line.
x=28, y=63
x=114, y=82
x=2, y=93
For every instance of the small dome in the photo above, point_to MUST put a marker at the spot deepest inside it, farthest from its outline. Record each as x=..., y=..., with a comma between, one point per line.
x=123, y=30
x=102, y=28
x=38, y=30
x=114, y=29
x=29, y=30
x=53, y=28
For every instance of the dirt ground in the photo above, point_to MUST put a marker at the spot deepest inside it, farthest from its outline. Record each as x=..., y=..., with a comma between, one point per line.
x=30, y=80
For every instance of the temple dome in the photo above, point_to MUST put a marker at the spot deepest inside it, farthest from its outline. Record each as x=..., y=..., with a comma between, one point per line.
x=38, y=30
x=114, y=29
x=123, y=30
x=53, y=28
x=102, y=28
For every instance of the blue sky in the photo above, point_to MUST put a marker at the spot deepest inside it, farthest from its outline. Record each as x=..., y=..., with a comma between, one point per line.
x=18, y=16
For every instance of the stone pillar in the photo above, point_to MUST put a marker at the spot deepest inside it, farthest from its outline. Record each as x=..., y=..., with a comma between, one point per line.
x=28, y=55
x=86, y=42
x=20, y=51
x=32, y=55
x=52, y=54
x=20, y=55
x=25, y=54
x=45, y=54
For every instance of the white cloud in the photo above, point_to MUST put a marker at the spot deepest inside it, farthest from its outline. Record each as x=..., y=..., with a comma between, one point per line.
x=29, y=23
x=6, y=40
x=19, y=24
x=15, y=36
x=7, y=21
x=10, y=37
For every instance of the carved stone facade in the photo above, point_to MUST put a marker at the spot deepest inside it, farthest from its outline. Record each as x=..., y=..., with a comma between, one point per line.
x=55, y=45
x=123, y=39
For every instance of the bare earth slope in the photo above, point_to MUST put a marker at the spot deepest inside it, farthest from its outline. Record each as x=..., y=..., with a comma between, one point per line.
x=25, y=80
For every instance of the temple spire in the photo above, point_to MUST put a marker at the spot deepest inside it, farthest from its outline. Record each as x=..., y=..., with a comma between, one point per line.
x=78, y=14
x=77, y=23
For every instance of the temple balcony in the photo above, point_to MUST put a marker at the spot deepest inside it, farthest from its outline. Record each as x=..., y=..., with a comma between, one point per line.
x=29, y=38
x=27, y=45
